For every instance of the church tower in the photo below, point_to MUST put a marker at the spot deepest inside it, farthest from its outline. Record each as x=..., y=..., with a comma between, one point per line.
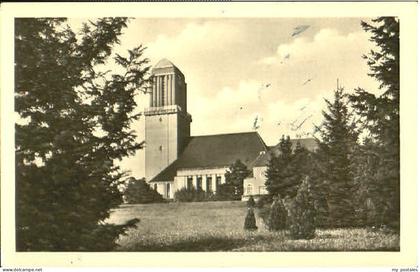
x=167, y=120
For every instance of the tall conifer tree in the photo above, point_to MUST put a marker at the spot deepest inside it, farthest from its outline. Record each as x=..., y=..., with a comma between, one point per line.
x=278, y=171
x=381, y=118
x=76, y=124
x=338, y=140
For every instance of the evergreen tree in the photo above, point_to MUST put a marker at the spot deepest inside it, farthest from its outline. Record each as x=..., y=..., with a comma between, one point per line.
x=297, y=169
x=302, y=213
x=286, y=170
x=235, y=176
x=381, y=118
x=319, y=189
x=138, y=191
x=75, y=123
x=339, y=136
x=277, y=218
x=278, y=171
x=250, y=223
x=366, y=165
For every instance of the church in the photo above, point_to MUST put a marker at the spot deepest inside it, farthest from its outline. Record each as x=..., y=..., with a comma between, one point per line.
x=175, y=159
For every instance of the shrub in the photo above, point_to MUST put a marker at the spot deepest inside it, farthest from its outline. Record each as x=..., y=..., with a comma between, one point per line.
x=139, y=192
x=251, y=202
x=235, y=176
x=264, y=213
x=302, y=214
x=250, y=223
x=192, y=195
x=227, y=191
x=263, y=201
x=278, y=216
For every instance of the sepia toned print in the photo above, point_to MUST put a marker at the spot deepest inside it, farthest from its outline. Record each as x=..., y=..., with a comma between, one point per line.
x=249, y=69
x=92, y=112
x=286, y=139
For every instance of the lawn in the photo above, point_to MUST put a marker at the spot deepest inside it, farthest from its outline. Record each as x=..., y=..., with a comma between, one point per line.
x=218, y=226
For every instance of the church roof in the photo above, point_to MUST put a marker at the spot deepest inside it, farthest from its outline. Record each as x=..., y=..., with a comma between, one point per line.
x=308, y=143
x=213, y=151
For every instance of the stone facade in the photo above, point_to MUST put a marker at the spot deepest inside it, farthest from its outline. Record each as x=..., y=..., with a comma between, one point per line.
x=255, y=185
x=167, y=122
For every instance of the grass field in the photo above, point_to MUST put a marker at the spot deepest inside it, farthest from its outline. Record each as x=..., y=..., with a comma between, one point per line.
x=218, y=226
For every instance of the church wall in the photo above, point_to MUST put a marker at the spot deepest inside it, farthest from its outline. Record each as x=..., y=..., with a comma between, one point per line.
x=163, y=188
x=161, y=142
x=181, y=179
x=184, y=124
x=167, y=124
x=256, y=184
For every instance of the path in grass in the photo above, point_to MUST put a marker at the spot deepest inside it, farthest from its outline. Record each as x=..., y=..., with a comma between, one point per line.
x=218, y=226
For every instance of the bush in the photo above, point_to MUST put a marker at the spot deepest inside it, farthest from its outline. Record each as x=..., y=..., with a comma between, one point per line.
x=302, y=214
x=250, y=223
x=139, y=192
x=193, y=195
x=263, y=208
x=278, y=216
x=264, y=200
x=227, y=191
x=251, y=202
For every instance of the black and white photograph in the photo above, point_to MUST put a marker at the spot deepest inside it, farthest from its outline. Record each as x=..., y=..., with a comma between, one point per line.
x=207, y=133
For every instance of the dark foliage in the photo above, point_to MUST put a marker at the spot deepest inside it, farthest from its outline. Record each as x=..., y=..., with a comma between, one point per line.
x=278, y=170
x=302, y=214
x=66, y=179
x=251, y=202
x=235, y=176
x=338, y=141
x=381, y=117
x=193, y=195
x=227, y=191
x=319, y=190
x=250, y=223
x=277, y=218
x=286, y=170
x=139, y=192
x=264, y=200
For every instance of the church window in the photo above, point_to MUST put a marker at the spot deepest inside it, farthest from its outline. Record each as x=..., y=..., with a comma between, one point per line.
x=160, y=148
x=209, y=185
x=249, y=189
x=189, y=183
x=155, y=187
x=160, y=119
x=199, y=183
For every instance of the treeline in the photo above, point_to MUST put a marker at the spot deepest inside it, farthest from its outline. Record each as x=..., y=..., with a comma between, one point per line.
x=354, y=175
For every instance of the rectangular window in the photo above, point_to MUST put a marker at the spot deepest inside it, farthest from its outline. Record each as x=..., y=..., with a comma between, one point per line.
x=189, y=183
x=218, y=181
x=249, y=189
x=163, y=90
x=209, y=184
x=199, y=183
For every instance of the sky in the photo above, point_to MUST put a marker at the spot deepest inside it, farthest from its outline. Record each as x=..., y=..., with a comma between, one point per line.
x=241, y=69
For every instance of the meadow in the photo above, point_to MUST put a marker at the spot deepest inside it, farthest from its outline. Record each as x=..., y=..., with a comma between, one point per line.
x=218, y=226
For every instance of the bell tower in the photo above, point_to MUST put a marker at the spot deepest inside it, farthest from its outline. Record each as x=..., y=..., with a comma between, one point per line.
x=167, y=122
